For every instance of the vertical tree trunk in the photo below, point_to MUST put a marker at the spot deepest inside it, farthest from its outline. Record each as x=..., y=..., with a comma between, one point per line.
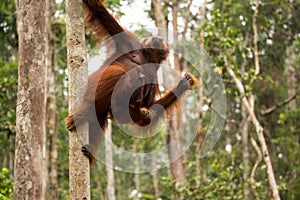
x=109, y=161
x=175, y=149
x=137, y=169
x=162, y=25
x=245, y=142
x=154, y=176
x=291, y=77
x=159, y=18
x=175, y=34
x=245, y=139
x=79, y=173
x=173, y=137
x=255, y=36
x=199, y=134
x=30, y=122
x=51, y=101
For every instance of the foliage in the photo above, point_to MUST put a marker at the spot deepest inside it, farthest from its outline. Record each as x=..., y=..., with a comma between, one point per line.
x=8, y=30
x=228, y=39
x=8, y=95
x=6, y=185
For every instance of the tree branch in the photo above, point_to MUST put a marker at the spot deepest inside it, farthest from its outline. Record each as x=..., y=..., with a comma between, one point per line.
x=259, y=131
x=278, y=105
x=259, y=158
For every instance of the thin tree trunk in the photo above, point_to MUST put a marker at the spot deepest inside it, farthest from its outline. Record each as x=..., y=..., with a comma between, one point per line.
x=109, y=161
x=161, y=23
x=245, y=142
x=51, y=101
x=173, y=137
x=154, y=176
x=254, y=25
x=246, y=162
x=30, y=121
x=175, y=34
x=137, y=169
x=257, y=162
x=79, y=173
x=199, y=133
x=175, y=151
x=259, y=131
x=159, y=18
x=291, y=77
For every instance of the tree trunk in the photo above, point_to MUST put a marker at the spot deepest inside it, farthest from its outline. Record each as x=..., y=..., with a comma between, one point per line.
x=51, y=101
x=255, y=36
x=137, y=169
x=79, y=173
x=246, y=162
x=175, y=34
x=175, y=151
x=173, y=137
x=161, y=23
x=109, y=163
x=30, y=121
x=154, y=176
x=199, y=134
x=159, y=18
x=291, y=77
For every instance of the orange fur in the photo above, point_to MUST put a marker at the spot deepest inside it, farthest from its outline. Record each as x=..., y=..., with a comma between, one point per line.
x=97, y=106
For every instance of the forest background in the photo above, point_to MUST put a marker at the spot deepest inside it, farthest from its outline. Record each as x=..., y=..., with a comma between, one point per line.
x=253, y=44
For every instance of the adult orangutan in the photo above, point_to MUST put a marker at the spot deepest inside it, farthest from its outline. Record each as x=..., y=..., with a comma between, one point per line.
x=132, y=67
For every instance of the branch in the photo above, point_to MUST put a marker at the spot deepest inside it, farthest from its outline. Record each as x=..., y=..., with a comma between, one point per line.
x=259, y=131
x=255, y=36
x=187, y=18
x=259, y=158
x=278, y=105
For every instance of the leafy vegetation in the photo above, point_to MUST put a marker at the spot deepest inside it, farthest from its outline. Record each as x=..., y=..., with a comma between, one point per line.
x=228, y=40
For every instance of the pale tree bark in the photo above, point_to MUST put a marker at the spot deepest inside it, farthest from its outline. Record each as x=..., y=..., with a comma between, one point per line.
x=175, y=33
x=175, y=150
x=250, y=108
x=291, y=77
x=245, y=142
x=199, y=134
x=259, y=132
x=154, y=176
x=257, y=162
x=255, y=36
x=137, y=169
x=246, y=161
x=159, y=18
x=109, y=163
x=161, y=23
x=30, y=121
x=51, y=101
x=79, y=173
